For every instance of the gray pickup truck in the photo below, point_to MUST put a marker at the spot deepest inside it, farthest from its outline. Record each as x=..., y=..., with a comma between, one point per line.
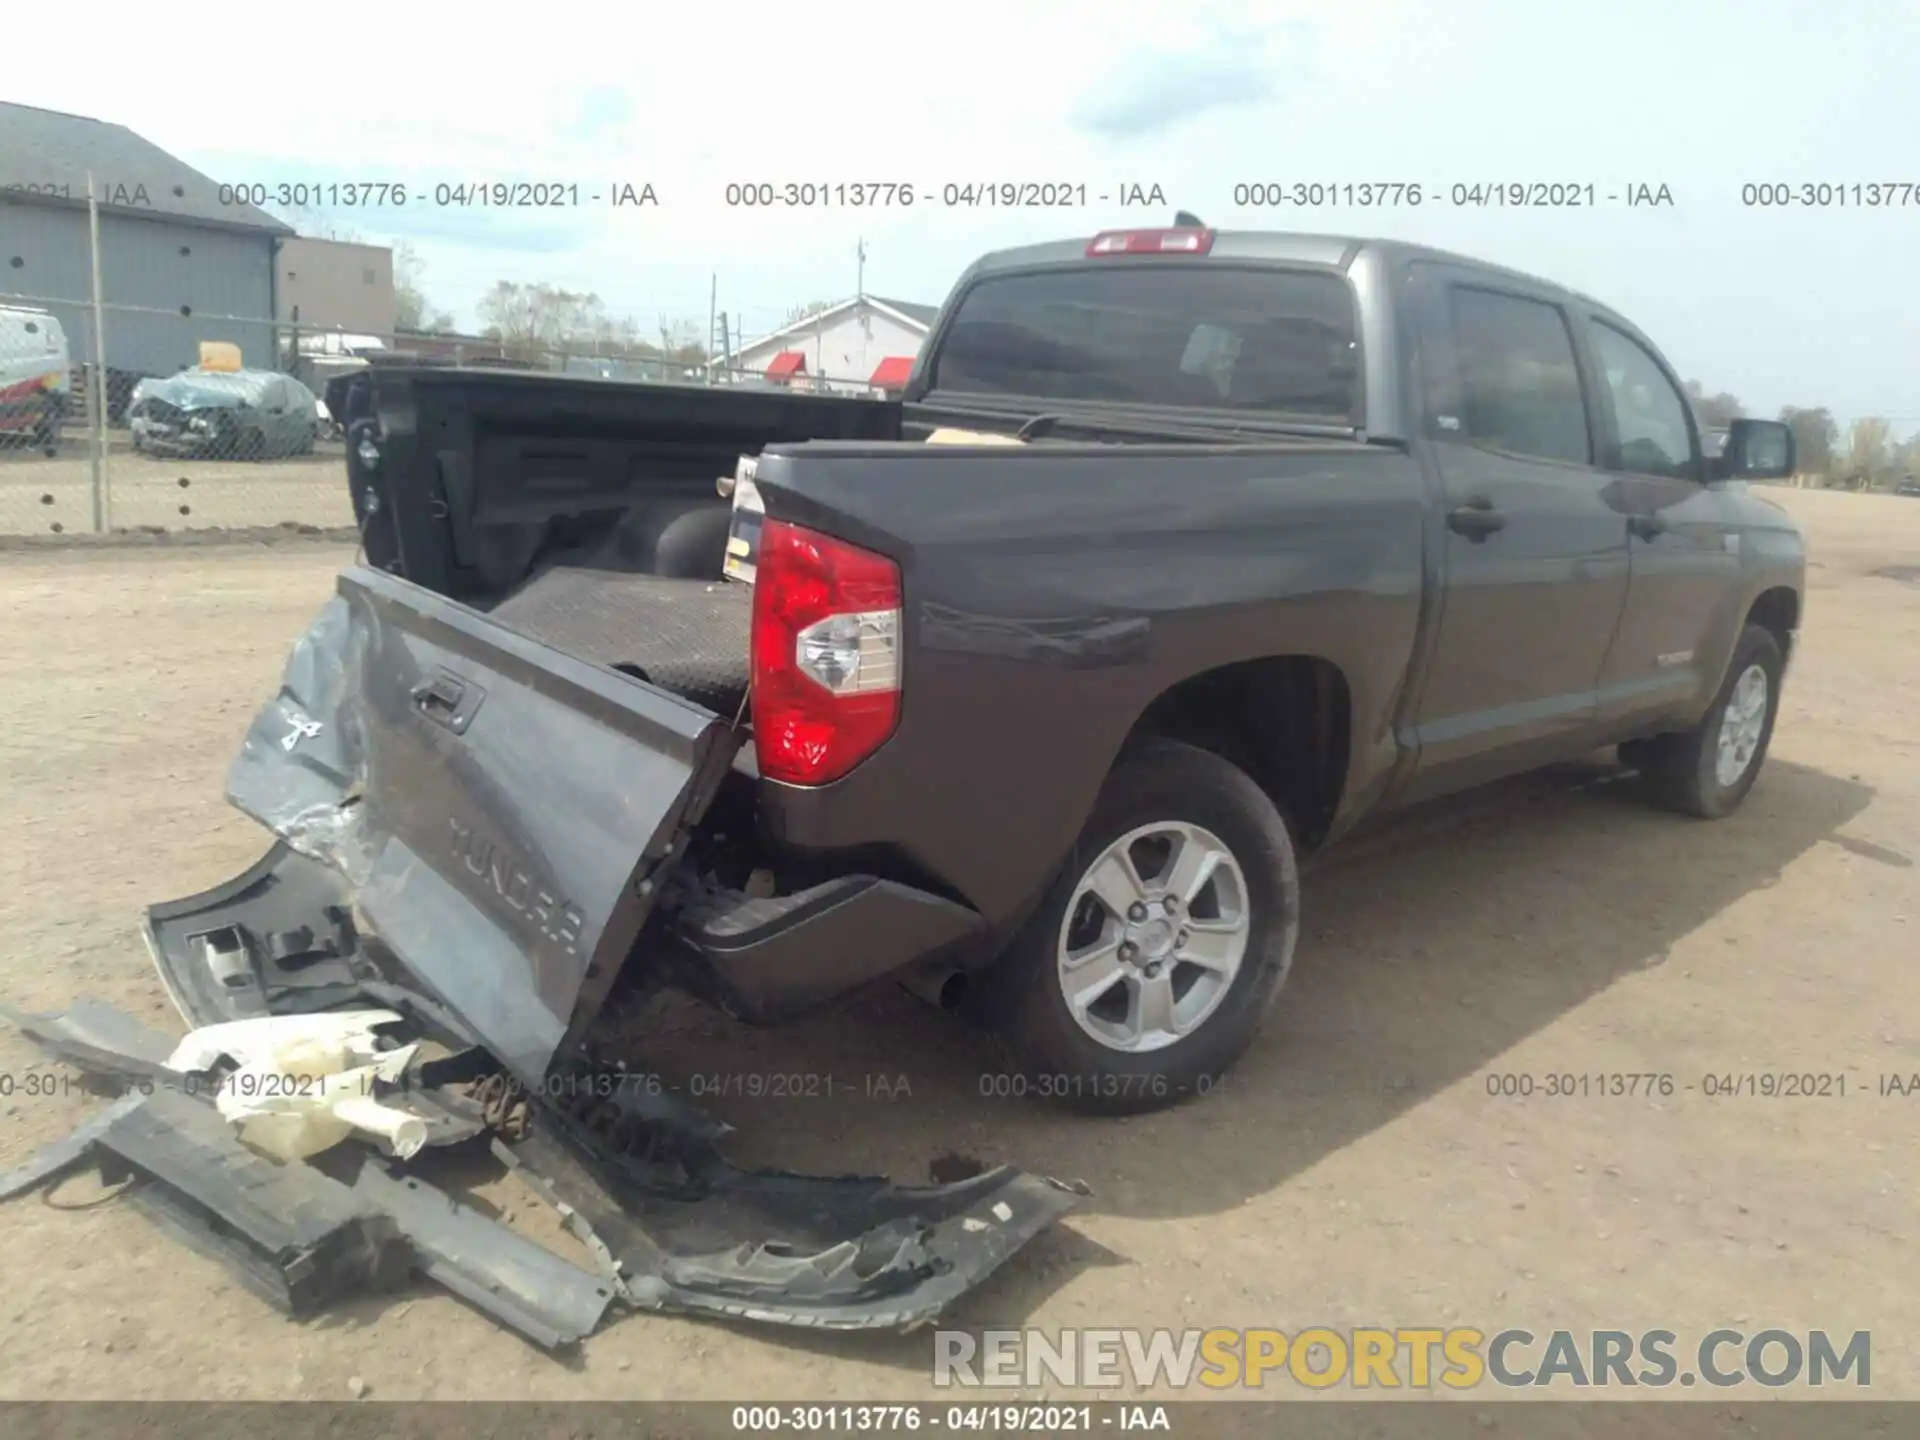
x=1255, y=535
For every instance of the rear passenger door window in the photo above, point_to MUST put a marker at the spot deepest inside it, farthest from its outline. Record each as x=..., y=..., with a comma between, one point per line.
x=1649, y=414
x=1519, y=383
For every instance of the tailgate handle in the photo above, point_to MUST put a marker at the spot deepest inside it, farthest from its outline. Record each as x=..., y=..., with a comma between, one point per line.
x=447, y=700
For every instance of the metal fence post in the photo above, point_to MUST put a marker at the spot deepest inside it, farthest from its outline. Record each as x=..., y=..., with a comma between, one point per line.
x=97, y=391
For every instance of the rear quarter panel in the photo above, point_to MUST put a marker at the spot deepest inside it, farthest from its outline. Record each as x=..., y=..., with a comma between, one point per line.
x=1053, y=593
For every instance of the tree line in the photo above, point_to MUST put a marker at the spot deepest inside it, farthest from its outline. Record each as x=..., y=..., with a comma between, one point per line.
x=1863, y=457
x=529, y=320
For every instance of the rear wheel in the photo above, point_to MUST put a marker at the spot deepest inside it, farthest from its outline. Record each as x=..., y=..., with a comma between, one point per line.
x=1708, y=770
x=1149, y=966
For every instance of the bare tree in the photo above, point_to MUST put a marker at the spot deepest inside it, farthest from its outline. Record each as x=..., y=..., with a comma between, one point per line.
x=1869, y=456
x=1714, y=411
x=680, y=342
x=615, y=335
x=1814, y=437
x=530, y=318
x=411, y=310
x=1906, y=456
x=807, y=311
x=316, y=224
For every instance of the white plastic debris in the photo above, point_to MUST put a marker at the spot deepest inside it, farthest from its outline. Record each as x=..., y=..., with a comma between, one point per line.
x=304, y=1083
x=247, y=1041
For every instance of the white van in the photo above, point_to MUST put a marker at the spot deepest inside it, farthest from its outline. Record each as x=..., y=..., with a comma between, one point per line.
x=36, y=374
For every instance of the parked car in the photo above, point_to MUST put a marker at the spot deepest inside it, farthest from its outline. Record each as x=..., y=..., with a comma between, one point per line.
x=1265, y=534
x=35, y=375
x=224, y=415
x=1908, y=486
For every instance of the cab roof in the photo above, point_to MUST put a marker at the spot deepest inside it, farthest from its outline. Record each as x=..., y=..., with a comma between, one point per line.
x=1277, y=247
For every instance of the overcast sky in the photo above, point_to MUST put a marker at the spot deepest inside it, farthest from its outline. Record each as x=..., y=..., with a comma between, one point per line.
x=1703, y=96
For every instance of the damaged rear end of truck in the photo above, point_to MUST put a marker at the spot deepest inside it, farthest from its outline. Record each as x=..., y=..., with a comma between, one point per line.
x=484, y=771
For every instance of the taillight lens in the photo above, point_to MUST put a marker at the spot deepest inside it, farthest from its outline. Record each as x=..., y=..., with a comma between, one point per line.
x=826, y=654
x=1183, y=240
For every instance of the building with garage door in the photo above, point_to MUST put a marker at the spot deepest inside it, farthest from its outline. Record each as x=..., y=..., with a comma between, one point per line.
x=852, y=342
x=181, y=260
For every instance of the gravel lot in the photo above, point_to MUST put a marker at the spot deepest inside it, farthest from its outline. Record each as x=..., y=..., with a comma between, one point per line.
x=1354, y=1171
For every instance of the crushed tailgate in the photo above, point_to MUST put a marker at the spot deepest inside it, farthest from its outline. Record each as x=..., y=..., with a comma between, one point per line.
x=502, y=811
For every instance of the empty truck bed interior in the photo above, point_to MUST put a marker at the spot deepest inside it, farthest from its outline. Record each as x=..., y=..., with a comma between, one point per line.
x=469, y=481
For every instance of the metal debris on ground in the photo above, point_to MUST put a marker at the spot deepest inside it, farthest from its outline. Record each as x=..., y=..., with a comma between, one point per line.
x=634, y=1173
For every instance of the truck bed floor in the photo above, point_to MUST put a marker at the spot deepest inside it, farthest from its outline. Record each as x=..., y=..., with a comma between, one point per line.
x=689, y=637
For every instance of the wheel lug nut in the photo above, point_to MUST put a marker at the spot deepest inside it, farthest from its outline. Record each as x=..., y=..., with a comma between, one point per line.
x=1129, y=950
x=1181, y=938
x=1153, y=971
x=1172, y=904
x=1136, y=911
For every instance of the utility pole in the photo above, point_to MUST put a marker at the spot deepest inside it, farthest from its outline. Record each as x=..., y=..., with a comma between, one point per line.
x=860, y=272
x=97, y=391
x=713, y=305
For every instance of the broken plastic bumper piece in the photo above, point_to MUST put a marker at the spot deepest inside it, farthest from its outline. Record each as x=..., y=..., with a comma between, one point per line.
x=668, y=1223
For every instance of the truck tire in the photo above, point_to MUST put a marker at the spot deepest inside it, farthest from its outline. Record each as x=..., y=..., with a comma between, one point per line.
x=1160, y=948
x=1707, y=771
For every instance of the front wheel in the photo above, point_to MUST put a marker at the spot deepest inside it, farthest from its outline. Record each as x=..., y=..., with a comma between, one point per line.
x=1708, y=770
x=1163, y=943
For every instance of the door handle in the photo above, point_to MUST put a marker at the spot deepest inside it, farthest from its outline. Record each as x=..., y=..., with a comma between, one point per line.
x=1648, y=526
x=447, y=701
x=1477, y=519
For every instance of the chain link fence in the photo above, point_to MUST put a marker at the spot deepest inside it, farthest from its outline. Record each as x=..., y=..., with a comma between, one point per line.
x=194, y=422
x=199, y=422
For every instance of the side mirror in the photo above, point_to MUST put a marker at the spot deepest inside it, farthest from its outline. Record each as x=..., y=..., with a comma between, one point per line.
x=1756, y=450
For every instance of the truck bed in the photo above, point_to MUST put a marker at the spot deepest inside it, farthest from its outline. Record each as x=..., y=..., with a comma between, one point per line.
x=689, y=637
x=482, y=478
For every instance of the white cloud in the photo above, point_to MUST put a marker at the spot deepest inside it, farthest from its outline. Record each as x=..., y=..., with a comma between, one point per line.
x=1194, y=96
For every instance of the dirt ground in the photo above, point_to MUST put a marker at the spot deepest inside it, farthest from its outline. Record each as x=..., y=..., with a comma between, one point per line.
x=1355, y=1170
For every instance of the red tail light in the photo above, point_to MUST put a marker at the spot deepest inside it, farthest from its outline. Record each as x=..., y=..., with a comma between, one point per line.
x=1182, y=241
x=826, y=654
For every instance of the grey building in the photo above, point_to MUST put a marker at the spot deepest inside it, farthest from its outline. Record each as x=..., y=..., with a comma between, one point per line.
x=181, y=259
x=340, y=285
